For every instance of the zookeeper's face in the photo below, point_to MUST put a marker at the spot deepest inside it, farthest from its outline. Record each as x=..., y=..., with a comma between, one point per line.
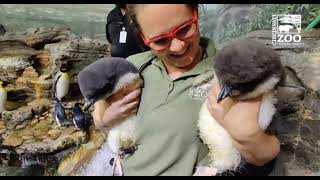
x=172, y=32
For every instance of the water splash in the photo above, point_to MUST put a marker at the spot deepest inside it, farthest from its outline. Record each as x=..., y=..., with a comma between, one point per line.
x=99, y=165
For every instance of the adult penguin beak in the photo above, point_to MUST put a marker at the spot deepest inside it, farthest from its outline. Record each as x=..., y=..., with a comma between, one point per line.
x=224, y=93
x=88, y=104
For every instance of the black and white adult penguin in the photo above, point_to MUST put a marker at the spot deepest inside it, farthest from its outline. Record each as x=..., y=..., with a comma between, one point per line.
x=61, y=82
x=59, y=114
x=244, y=69
x=79, y=118
x=3, y=97
x=102, y=79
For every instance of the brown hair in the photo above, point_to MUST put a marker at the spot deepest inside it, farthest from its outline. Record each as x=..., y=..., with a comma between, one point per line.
x=132, y=12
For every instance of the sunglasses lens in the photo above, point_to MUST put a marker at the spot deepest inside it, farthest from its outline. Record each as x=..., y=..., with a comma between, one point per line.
x=187, y=31
x=160, y=43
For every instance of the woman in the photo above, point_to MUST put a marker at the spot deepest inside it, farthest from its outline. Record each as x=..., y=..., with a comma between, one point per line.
x=121, y=34
x=177, y=73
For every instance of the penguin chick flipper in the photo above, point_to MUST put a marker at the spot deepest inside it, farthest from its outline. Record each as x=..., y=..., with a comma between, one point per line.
x=205, y=171
x=267, y=110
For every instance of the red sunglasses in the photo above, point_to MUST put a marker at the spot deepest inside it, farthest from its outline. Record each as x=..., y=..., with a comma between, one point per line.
x=183, y=32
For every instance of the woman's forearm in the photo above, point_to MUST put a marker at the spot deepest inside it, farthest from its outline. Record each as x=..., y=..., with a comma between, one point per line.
x=258, y=149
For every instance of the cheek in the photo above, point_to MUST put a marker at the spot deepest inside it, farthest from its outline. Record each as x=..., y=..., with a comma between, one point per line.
x=195, y=40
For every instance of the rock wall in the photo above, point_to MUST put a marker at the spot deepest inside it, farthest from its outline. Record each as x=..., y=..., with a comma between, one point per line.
x=28, y=63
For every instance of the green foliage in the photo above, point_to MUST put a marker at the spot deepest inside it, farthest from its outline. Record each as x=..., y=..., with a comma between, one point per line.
x=262, y=21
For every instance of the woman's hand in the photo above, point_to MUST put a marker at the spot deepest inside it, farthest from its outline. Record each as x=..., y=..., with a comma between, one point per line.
x=117, y=106
x=240, y=120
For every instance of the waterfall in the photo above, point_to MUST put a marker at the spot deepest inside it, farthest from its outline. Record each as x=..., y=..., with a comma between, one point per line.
x=99, y=165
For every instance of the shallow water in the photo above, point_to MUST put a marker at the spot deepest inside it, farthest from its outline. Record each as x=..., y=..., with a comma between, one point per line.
x=31, y=170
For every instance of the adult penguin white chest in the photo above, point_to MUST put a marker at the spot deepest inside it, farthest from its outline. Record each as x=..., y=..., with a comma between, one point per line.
x=3, y=97
x=244, y=69
x=61, y=84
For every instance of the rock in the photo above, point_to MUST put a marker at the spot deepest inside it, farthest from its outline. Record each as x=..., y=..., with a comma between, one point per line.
x=71, y=164
x=43, y=125
x=6, y=115
x=27, y=137
x=13, y=63
x=37, y=38
x=2, y=127
x=21, y=126
x=306, y=65
x=69, y=137
x=24, y=132
x=30, y=79
x=230, y=14
x=19, y=97
x=34, y=122
x=54, y=134
x=77, y=53
x=40, y=135
x=19, y=116
x=12, y=141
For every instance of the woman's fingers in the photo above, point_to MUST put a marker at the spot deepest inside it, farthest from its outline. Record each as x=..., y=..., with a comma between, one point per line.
x=130, y=107
x=131, y=96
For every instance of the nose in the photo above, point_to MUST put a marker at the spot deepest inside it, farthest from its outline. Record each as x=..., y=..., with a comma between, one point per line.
x=177, y=45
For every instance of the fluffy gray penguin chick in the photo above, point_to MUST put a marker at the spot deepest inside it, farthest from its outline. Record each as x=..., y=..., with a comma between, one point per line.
x=247, y=69
x=102, y=79
x=244, y=69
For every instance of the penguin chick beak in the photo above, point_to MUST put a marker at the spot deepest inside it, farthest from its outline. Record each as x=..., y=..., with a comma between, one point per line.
x=224, y=93
x=88, y=104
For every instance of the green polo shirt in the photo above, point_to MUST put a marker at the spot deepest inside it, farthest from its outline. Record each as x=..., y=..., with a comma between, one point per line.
x=167, y=133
